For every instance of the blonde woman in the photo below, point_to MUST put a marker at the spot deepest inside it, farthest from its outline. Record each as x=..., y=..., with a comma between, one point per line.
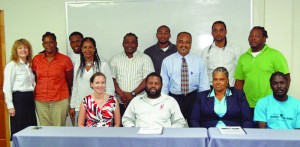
x=18, y=87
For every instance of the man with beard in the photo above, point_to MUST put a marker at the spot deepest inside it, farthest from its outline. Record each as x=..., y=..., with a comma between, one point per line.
x=221, y=53
x=278, y=110
x=153, y=109
x=255, y=67
x=158, y=52
x=184, y=74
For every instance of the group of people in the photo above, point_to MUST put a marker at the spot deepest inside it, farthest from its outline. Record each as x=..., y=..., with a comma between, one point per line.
x=165, y=86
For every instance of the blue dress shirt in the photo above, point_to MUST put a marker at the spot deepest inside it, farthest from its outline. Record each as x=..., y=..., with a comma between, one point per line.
x=171, y=73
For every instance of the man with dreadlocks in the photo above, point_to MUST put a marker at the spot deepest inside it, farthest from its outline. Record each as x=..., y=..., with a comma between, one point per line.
x=256, y=66
x=220, y=52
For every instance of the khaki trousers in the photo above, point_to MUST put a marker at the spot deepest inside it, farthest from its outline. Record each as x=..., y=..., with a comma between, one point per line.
x=52, y=113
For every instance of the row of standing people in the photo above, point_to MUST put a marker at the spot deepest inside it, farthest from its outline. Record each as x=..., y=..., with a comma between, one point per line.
x=129, y=69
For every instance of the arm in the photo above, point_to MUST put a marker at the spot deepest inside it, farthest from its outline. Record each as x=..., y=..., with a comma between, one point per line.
x=196, y=113
x=137, y=90
x=203, y=77
x=82, y=116
x=117, y=115
x=74, y=95
x=262, y=124
x=119, y=91
x=69, y=78
x=128, y=119
x=260, y=113
x=239, y=84
x=9, y=78
x=177, y=120
x=165, y=78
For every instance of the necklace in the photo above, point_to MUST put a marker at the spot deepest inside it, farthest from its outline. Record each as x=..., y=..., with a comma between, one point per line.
x=89, y=63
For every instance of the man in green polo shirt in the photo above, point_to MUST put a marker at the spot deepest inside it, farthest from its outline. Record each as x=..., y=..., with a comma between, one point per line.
x=255, y=67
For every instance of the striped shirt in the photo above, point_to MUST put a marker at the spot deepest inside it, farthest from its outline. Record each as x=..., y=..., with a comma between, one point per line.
x=130, y=72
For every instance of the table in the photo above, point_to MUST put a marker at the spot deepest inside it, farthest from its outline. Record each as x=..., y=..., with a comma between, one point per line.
x=112, y=137
x=255, y=138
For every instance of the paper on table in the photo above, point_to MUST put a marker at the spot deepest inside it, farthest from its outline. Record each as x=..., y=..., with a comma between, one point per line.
x=232, y=130
x=156, y=131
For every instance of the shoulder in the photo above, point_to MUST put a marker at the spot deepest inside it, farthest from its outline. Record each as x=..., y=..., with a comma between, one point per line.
x=9, y=66
x=38, y=56
x=236, y=91
x=150, y=49
x=11, y=63
x=170, y=58
x=265, y=100
x=294, y=100
x=203, y=94
x=117, y=58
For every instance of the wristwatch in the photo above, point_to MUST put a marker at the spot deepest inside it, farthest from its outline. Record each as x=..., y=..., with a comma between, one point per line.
x=133, y=93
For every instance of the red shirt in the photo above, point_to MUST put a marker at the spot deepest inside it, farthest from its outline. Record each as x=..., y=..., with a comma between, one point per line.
x=51, y=80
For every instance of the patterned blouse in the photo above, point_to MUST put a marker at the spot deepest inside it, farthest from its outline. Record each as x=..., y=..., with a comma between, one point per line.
x=99, y=117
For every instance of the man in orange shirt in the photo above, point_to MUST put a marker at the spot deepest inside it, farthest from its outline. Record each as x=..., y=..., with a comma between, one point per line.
x=54, y=77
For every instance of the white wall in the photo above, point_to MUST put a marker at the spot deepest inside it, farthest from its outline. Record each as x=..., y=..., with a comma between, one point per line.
x=32, y=18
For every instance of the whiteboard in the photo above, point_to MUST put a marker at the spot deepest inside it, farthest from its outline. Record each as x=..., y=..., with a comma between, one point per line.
x=108, y=21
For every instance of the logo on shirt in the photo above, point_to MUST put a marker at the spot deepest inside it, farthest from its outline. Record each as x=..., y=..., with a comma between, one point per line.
x=161, y=106
x=281, y=117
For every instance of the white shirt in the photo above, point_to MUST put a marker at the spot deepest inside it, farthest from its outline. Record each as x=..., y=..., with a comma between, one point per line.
x=130, y=72
x=81, y=85
x=160, y=112
x=17, y=77
x=219, y=57
x=74, y=58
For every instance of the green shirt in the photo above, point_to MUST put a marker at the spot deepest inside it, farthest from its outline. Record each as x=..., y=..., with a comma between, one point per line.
x=256, y=72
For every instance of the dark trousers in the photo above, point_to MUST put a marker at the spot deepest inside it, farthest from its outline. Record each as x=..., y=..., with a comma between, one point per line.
x=186, y=103
x=25, y=112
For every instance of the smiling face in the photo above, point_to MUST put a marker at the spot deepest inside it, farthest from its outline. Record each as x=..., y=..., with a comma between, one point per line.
x=99, y=84
x=75, y=42
x=22, y=52
x=130, y=44
x=279, y=86
x=184, y=44
x=88, y=49
x=163, y=35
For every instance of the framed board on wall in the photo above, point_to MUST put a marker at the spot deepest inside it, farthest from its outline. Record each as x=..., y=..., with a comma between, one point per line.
x=108, y=21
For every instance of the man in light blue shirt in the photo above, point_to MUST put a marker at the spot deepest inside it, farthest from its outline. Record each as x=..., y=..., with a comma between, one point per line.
x=171, y=74
x=278, y=110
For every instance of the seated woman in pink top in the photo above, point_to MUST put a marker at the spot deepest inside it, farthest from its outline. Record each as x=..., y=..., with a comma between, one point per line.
x=99, y=109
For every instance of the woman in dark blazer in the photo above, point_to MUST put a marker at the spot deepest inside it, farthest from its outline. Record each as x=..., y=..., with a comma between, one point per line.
x=221, y=106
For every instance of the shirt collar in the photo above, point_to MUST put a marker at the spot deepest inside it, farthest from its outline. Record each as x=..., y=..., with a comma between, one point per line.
x=179, y=56
x=264, y=49
x=212, y=93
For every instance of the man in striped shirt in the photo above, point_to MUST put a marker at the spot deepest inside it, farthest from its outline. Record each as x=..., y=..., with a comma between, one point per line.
x=129, y=70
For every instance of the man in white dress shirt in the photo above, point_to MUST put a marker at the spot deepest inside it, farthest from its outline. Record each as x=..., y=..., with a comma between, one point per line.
x=221, y=53
x=153, y=109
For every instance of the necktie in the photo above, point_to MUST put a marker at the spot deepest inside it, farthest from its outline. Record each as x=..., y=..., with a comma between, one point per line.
x=184, y=77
